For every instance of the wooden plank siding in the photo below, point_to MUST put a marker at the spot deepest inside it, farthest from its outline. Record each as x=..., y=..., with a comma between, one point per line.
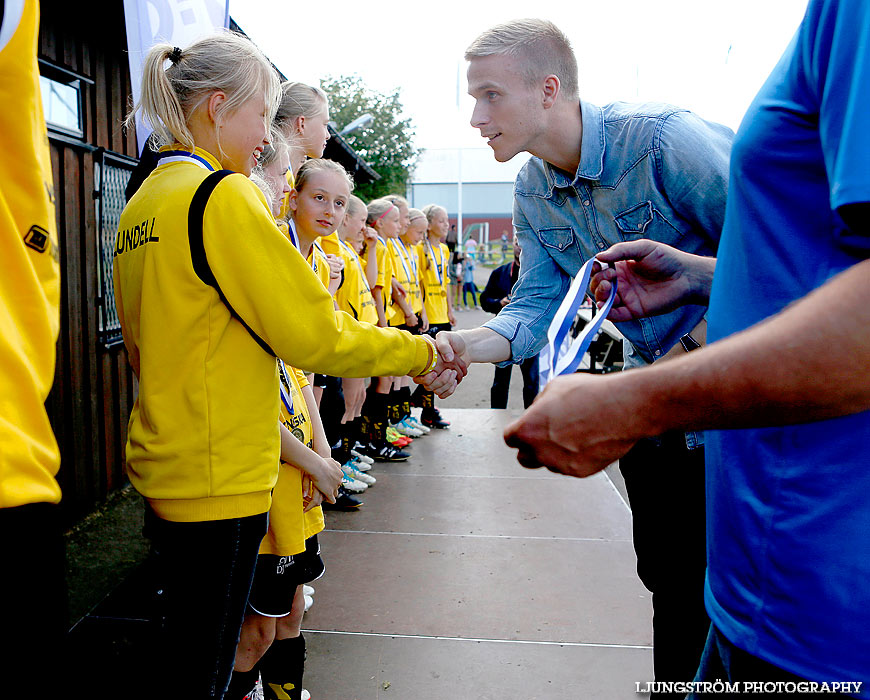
x=93, y=393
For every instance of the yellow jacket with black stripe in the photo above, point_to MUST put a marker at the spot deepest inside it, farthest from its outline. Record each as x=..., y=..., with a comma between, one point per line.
x=29, y=272
x=203, y=440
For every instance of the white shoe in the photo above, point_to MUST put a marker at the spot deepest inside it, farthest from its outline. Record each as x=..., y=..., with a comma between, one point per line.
x=365, y=459
x=351, y=484
x=358, y=464
x=404, y=429
x=352, y=472
x=307, y=590
x=309, y=601
x=305, y=695
x=414, y=423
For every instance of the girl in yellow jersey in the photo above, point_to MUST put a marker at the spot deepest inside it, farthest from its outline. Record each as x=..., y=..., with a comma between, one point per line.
x=208, y=292
x=355, y=297
x=302, y=118
x=406, y=297
x=32, y=587
x=434, y=259
x=383, y=217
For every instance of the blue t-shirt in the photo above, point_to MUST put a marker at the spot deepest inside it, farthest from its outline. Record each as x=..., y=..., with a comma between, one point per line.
x=789, y=508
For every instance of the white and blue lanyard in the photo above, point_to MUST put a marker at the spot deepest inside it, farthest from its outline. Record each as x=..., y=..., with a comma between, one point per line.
x=438, y=268
x=352, y=253
x=403, y=254
x=184, y=157
x=286, y=394
x=294, y=239
x=561, y=354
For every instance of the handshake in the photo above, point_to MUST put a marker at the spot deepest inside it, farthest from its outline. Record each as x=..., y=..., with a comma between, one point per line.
x=451, y=367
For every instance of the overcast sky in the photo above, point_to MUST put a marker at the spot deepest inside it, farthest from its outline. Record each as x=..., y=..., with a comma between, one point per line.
x=708, y=55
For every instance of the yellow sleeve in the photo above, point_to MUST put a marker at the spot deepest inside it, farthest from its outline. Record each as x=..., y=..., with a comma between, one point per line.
x=330, y=244
x=255, y=265
x=385, y=268
x=30, y=277
x=301, y=377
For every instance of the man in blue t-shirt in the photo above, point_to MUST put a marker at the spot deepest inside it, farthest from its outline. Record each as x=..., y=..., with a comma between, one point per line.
x=785, y=387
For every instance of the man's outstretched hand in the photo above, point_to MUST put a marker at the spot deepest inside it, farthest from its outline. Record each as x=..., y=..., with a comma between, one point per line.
x=451, y=367
x=578, y=425
x=653, y=278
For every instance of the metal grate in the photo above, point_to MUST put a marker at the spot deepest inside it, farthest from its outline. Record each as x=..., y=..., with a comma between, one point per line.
x=112, y=174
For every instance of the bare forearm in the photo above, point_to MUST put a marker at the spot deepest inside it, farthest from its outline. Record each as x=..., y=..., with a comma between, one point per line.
x=485, y=345
x=810, y=362
x=318, y=436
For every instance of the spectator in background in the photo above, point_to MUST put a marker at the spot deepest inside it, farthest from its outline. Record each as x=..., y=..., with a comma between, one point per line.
x=471, y=248
x=468, y=284
x=495, y=296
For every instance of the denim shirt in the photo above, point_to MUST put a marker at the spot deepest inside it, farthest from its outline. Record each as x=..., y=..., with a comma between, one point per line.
x=646, y=171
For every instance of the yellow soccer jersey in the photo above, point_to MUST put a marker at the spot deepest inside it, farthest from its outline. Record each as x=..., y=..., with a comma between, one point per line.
x=385, y=273
x=286, y=534
x=330, y=244
x=433, y=264
x=405, y=271
x=319, y=263
x=29, y=283
x=354, y=296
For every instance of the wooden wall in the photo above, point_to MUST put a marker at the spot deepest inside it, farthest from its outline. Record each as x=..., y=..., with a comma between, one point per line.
x=94, y=389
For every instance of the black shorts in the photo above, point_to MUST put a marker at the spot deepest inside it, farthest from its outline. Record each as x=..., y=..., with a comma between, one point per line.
x=277, y=578
x=436, y=328
x=415, y=330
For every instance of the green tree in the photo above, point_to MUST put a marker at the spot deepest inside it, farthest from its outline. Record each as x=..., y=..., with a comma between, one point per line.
x=386, y=144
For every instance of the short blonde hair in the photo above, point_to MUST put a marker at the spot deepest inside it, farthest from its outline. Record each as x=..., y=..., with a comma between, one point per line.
x=225, y=61
x=320, y=165
x=541, y=46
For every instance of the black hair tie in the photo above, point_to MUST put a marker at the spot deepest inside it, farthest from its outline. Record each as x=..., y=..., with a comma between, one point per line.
x=175, y=55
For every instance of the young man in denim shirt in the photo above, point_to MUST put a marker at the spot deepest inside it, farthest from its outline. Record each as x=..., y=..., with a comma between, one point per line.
x=600, y=176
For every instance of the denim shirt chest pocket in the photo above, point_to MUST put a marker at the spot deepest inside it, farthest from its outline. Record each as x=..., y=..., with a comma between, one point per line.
x=644, y=220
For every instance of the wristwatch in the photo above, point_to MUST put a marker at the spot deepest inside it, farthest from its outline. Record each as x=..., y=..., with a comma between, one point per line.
x=689, y=343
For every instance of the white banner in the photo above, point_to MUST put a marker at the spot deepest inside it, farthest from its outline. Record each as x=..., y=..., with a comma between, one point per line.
x=176, y=22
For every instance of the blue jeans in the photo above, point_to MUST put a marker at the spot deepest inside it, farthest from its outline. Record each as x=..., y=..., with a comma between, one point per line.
x=722, y=661
x=202, y=576
x=466, y=288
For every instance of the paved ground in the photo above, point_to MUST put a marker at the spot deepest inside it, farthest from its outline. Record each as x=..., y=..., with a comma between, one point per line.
x=465, y=576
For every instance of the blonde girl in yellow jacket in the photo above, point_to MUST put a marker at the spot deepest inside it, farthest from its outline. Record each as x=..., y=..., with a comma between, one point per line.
x=206, y=302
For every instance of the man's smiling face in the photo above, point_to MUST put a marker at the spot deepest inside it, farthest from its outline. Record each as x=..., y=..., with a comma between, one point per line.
x=506, y=109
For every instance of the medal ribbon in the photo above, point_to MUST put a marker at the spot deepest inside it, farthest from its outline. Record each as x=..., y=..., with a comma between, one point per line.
x=438, y=268
x=286, y=395
x=352, y=253
x=561, y=354
x=184, y=157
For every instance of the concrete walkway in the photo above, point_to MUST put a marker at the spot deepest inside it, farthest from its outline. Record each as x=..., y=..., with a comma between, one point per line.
x=466, y=576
